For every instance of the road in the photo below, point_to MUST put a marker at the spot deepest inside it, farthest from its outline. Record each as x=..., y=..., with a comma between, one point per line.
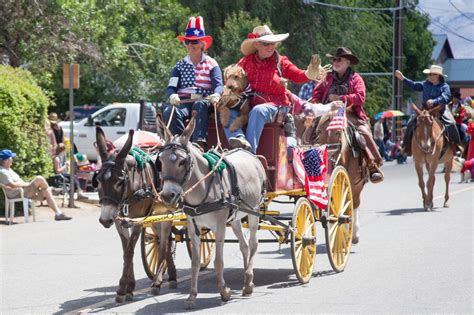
x=407, y=261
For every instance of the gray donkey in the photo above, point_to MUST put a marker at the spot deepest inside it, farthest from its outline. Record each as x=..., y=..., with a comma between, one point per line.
x=227, y=196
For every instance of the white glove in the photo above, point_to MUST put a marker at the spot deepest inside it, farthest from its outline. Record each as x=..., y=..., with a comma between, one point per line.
x=318, y=109
x=214, y=98
x=174, y=99
x=336, y=105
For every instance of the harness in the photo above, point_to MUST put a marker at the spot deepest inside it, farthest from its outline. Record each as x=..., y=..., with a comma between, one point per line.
x=233, y=201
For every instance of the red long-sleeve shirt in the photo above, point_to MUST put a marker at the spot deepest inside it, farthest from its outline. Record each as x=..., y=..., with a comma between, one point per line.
x=264, y=78
x=355, y=98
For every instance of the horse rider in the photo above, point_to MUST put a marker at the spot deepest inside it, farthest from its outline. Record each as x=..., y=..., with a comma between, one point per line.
x=346, y=85
x=194, y=77
x=435, y=93
x=268, y=74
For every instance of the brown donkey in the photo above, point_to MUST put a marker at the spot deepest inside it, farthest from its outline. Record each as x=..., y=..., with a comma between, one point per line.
x=430, y=148
x=125, y=190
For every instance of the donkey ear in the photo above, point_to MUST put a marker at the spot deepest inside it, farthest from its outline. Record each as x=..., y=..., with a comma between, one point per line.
x=126, y=147
x=416, y=109
x=101, y=145
x=161, y=128
x=188, y=131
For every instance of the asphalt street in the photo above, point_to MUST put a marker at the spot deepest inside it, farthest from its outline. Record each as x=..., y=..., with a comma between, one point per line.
x=407, y=261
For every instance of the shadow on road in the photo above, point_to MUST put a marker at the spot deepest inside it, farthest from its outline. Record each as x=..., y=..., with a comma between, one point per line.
x=402, y=211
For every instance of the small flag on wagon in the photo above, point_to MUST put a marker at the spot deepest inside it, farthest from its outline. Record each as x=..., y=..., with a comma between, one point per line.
x=315, y=165
x=339, y=121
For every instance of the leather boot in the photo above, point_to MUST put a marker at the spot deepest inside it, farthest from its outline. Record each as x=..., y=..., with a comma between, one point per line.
x=376, y=175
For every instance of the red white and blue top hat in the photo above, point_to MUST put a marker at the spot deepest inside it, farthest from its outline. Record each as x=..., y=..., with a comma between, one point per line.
x=195, y=31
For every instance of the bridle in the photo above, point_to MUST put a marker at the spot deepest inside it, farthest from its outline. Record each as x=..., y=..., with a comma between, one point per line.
x=188, y=163
x=105, y=173
x=431, y=150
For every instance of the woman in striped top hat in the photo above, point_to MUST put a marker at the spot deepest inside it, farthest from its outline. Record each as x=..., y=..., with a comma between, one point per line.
x=194, y=77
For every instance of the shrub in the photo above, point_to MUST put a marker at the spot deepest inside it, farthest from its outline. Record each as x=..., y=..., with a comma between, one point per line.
x=23, y=112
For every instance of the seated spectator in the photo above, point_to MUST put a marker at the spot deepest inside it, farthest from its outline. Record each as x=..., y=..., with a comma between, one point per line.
x=397, y=154
x=61, y=167
x=37, y=189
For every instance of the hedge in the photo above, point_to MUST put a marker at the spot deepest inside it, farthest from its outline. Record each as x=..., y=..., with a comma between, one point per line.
x=23, y=113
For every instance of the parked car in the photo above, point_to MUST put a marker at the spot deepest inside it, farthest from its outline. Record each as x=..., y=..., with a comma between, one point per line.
x=81, y=112
x=115, y=119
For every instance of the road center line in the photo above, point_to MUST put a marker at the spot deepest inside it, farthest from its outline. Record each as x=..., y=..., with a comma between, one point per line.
x=455, y=192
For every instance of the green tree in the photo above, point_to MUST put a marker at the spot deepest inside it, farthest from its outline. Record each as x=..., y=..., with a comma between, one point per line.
x=23, y=112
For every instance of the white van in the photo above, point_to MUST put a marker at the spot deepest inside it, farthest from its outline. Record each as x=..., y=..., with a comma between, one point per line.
x=115, y=119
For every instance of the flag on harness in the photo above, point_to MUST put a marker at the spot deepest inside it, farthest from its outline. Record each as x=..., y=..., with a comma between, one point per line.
x=315, y=166
x=339, y=121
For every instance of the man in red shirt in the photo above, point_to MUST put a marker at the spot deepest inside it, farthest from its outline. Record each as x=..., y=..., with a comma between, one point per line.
x=345, y=85
x=267, y=73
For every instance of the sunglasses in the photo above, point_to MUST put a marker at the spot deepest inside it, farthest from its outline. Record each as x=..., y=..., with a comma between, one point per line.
x=192, y=42
x=267, y=44
x=431, y=74
x=338, y=59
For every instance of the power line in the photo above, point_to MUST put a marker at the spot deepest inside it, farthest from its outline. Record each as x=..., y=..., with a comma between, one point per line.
x=335, y=6
x=462, y=13
x=444, y=27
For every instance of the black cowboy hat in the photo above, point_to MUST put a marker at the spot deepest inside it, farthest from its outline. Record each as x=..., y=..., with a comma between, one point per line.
x=343, y=52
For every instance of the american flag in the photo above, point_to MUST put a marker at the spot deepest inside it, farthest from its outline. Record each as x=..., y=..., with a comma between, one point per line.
x=315, y=164
x=338, y=122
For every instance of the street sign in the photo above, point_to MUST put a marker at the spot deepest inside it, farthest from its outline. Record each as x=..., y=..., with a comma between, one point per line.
x=75, y=76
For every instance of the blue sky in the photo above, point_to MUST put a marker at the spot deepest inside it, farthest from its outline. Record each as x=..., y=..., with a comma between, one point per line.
x=446, y=19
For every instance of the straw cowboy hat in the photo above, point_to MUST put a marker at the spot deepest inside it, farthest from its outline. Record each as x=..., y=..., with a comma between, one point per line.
x=260, y=34
x=435, y=70
x=344, y=52
x=195, y=31
x=53, y=118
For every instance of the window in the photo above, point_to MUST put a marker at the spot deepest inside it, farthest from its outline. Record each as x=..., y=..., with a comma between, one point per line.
x=114, y=117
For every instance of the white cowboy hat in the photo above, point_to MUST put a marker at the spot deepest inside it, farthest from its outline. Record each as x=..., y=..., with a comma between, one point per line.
x=435, y=70
x=260, y=34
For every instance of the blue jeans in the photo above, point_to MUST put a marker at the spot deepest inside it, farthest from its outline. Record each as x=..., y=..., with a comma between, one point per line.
x=259, y=115
x=182, y=113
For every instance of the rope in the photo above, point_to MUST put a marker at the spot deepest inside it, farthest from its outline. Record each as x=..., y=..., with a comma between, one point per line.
x=140, y=157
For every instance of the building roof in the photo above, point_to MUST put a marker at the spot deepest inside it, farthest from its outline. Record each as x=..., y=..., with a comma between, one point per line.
x=459, y=70
x=441, y=43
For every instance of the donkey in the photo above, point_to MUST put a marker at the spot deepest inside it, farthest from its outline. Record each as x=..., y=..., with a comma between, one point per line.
x=430, y=148
x=351, y=159
x=219, y=198
x=124, y=189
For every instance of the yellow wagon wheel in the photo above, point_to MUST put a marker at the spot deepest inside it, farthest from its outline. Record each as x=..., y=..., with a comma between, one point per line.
x=339, y=219
x=149, y=247
x=207, y=246
x=303, y=240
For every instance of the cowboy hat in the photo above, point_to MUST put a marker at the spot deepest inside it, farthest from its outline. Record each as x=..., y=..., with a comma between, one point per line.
x=260, y=34
x=344, y=52
x=435, y=70
x=53, y=118
x=195, y=31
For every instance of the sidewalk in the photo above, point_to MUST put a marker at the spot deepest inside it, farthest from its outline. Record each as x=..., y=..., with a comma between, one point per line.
x=44, y=213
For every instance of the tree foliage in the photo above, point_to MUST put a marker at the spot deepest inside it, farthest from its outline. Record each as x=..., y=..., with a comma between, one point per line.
x=127, y=49
x=23, y=111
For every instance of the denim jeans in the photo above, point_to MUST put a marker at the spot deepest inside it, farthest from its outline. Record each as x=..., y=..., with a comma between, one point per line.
x=182, y=113
x=259, y=115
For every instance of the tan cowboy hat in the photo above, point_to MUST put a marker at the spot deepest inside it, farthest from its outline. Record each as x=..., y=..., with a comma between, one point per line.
x=435, y=70
x=260, y=34
x=53, y=118
x=344, y=52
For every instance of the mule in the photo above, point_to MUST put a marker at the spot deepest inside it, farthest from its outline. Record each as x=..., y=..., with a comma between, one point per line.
x=430, y=148
x=125, y=190
x=213, y=201
x=350, y=158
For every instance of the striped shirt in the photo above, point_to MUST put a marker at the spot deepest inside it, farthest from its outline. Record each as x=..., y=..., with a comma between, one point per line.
x=205, y=78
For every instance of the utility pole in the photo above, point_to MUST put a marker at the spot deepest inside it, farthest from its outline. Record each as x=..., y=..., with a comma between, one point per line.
x=397, y=65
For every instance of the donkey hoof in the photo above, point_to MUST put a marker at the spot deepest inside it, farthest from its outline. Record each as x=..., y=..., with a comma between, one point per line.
x=120, y=298
x=190, y=304
x=446, y=205
x=129, y=297
x=155, y=290
x=225, y=294
x=172, y=284
x=355, y=239
x=247, y=291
